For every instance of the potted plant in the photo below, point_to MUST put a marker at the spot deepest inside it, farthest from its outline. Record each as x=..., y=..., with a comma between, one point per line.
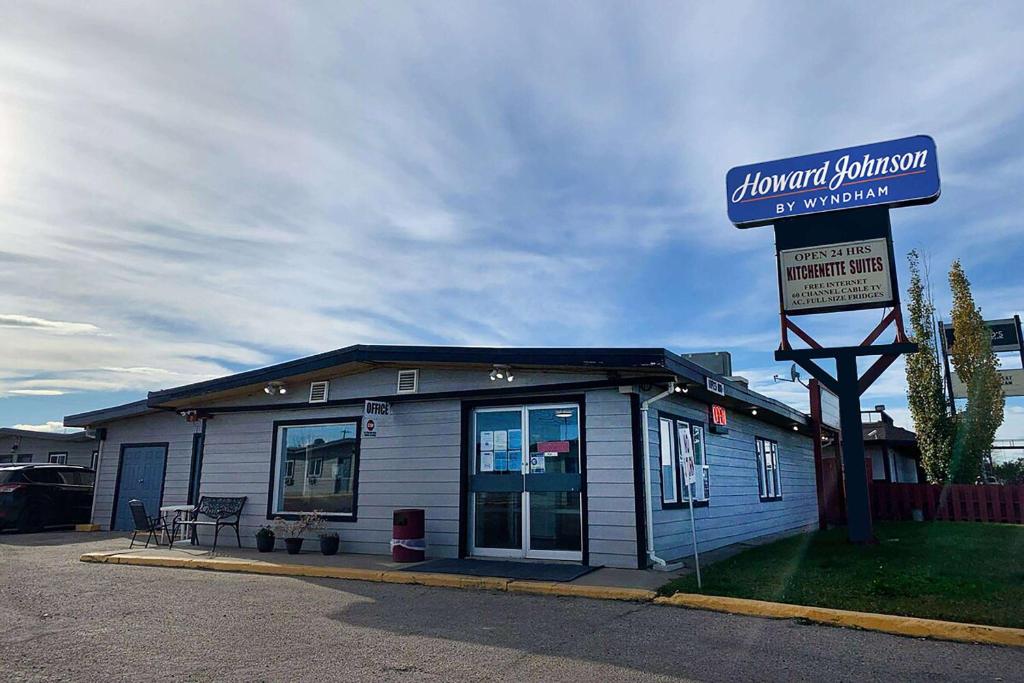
x=265, y=539
x=291, y=531
x=329, y=541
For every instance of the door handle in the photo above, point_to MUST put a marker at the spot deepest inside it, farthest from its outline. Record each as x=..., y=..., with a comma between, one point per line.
x=141, y=481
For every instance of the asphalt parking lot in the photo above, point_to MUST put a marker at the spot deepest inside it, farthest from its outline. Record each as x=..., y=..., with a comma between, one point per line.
x=61, y=619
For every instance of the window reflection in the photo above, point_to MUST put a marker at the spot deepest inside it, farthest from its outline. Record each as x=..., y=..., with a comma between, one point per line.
x=318, y=469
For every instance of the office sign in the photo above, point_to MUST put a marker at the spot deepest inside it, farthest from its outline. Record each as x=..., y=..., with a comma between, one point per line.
x=892, y=173
x=1004, y=335
x=1013, y=383
x=375, y=413
x=832, y=277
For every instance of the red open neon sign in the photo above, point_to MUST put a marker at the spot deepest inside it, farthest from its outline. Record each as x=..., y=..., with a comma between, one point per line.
x=718, y=416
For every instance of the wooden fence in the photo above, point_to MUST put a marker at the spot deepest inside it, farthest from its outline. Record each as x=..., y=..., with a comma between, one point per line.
x=954, y=503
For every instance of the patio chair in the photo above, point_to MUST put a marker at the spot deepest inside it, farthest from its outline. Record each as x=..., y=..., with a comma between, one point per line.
x=220, y=511
x=153, y=526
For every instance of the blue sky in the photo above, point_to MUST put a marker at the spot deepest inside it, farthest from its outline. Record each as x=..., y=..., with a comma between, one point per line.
x=192, y=189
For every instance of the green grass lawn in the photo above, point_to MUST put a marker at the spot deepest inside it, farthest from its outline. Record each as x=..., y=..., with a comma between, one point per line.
x=964, y=571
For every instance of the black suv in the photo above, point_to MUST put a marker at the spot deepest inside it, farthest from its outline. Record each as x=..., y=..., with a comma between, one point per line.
x=33, y=497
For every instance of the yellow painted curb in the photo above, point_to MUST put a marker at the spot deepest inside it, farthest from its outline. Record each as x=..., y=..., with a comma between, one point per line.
x=87, y=527
x=887, y=623
x=580, y=591
x=446, y=580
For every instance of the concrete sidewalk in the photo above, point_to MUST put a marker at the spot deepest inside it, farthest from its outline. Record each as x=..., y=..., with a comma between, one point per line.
x=627, y=583
x=631, y=579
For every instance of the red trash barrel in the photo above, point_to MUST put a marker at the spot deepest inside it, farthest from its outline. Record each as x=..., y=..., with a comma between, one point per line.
x=408, y=543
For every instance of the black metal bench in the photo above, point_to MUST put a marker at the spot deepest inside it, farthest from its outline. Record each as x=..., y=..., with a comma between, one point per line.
x=220, y=511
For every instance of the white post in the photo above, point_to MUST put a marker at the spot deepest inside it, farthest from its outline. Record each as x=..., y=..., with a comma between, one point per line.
x=693, y=531
x=689, y=479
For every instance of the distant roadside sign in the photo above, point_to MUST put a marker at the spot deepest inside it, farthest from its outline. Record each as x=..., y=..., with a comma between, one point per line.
x=891, y=173
x=1013, y=383
x=1004, y=335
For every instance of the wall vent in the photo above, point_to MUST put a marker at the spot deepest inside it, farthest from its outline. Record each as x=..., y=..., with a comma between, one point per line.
x=408, y=381
x=318, y=392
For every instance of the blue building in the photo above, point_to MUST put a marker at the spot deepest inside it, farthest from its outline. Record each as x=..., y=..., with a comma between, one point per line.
x=569, y=454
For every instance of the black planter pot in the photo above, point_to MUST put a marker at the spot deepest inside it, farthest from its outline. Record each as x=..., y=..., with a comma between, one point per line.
x=294, y=545
x=265, y=544
x=329, y=545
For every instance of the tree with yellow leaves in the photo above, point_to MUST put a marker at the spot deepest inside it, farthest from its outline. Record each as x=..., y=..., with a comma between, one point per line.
x=925, y=396
x=977, y=366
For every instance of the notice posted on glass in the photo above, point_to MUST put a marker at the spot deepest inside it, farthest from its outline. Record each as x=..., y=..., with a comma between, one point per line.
x=833, y=275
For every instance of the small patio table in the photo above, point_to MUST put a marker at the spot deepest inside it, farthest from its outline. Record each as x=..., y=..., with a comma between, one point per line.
x=171, y=512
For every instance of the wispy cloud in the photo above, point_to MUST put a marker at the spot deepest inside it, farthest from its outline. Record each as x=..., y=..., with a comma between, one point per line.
x=53, y=427
x=56, y=326
x=36, y=392
x=450, y=173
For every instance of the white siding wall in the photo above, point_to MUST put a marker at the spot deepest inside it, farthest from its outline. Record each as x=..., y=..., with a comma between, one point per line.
x=79, y=452
x=735, y=512
x=611, y=497
x=155, y=428
x=413, y=462
x=383, y=382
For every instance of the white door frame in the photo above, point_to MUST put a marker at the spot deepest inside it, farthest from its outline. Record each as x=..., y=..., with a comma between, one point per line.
x=524, y=552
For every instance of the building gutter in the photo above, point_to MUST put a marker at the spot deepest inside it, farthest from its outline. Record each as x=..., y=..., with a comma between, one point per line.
x=101, y=439
x=648, y=498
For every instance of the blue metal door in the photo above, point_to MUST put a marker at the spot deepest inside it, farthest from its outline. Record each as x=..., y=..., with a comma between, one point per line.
x=141, y=477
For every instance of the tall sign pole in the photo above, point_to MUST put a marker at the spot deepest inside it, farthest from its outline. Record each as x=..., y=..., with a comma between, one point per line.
x=834, y=252
x=946, y=368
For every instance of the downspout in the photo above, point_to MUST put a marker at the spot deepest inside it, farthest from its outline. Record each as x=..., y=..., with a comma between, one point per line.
x=645, y=426
x=101, y=439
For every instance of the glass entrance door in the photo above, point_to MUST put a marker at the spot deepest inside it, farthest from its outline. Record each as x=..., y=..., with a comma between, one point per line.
x=525, y=483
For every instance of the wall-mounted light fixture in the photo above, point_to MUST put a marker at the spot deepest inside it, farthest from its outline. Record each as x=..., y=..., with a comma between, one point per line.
x=796, y=428
x=502, y=372
x=275, y=388
x=753, y=411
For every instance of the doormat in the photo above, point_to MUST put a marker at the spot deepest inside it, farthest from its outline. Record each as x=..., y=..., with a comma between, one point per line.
x=527, y=571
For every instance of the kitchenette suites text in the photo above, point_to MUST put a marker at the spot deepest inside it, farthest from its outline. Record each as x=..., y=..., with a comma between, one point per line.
x=851, y=273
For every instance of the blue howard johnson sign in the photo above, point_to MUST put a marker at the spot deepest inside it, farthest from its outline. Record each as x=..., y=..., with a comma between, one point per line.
x=895, y=173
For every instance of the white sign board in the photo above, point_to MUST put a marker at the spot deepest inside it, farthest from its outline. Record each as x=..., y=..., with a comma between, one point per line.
x=833, y=276
x=829, y=408
x=377, y=410
x=689, y=467
x=375, y=413
x=1013, y=383
x=715, y=387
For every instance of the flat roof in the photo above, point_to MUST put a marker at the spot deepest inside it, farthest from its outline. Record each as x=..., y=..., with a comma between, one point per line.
x=658, y=363
x=53, y=436
x=119, y=412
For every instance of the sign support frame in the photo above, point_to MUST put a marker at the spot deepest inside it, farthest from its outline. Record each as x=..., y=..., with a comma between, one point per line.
x=848, y=384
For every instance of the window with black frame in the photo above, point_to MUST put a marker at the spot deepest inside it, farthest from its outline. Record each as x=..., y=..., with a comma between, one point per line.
x=316, y=469
x=675, y=435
